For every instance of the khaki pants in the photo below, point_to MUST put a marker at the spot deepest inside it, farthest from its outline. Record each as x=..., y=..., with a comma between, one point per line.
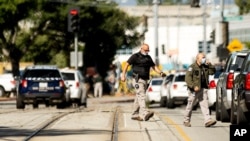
x=139, y=102
x=202, y=98
x=98, y=89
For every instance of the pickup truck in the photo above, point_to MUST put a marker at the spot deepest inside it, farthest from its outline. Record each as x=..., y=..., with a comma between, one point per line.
x=7, y=84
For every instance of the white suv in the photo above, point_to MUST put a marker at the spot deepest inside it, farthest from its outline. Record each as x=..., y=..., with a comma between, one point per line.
x=177, y=91
x=75, y=80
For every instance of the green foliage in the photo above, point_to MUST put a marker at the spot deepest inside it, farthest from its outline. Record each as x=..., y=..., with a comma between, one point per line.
x=36, y=30
x=59, y=59
x=244, y=6
x=247, y=44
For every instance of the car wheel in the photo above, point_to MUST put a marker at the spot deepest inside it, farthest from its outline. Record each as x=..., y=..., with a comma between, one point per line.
x=170, y=103
x=47, y=104
x=218, y=105
x=60, y=105
x=241, y=115
x=163, y=101
x=2, y=92
x=35, y=105
x=233, y=109
x=85, y=105
x=19, y=103
x=225, y=114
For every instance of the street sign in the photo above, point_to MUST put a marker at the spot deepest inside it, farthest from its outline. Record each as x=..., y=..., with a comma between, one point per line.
x=235, y=45
x=233, y=18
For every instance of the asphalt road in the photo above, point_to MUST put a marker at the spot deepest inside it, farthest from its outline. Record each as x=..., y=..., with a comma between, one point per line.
x=106, y=119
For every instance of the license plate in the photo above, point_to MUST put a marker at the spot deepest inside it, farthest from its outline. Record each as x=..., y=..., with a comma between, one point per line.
x=43, y=86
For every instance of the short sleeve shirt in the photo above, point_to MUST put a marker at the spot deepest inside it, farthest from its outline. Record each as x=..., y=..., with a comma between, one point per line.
x=141, y=64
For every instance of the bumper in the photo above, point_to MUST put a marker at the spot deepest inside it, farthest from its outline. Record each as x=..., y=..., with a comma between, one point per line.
x=42, y=97
x=153, y=97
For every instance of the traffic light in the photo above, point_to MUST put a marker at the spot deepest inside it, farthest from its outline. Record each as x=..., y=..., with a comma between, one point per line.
x=195, y=3
x=208, y=46
x=212, y=36
x=200, y=47
x=163, y=49
x=73, y=20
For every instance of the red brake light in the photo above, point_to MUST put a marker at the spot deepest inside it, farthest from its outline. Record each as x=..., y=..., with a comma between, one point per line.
x=13, y=82
x=212, y=84
x=230, y=80
x=175, y=86
x=150, y=89
x=247, y=82
x=61, y=83
x=77, y=84
x=24, y=83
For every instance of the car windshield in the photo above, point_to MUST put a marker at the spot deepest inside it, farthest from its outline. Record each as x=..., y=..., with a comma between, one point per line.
x=156, y=82
x=180, y=78
x=41, y=73
x=68, y=76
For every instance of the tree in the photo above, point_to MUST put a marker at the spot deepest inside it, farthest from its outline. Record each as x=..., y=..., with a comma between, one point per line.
x=106, y=34
x=244, y=6
x=37, y=30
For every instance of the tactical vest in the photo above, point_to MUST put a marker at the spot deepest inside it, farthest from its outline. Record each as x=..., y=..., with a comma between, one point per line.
x=142, y=65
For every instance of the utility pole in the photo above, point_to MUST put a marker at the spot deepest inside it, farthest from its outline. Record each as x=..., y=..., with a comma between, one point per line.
x=76, y=49
x=204, y=26
x=156, y=3
x=222, y=10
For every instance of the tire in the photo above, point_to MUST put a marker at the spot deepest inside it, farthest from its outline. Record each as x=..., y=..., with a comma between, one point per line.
x=225, y=114
x=35, y=105
x=241, y=115
x=19, y=103
x=60, y=105
x=85, y=104
x=47, y=103
x=2, y=92
x=217, y=107
x=163, y=101
x=63, y=104
x=233, y=116
x=170, y=103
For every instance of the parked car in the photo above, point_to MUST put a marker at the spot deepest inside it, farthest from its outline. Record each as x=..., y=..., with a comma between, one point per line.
x=164, y=89
x=225, y=84
x=7, y=84
x=240, y=104
x=177, y=92
x=153, y=91
x=77, y=88
x=213, y=79
x=41, y=84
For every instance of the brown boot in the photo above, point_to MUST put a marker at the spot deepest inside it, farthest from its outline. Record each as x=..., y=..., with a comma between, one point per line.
x=210, y=123
x=148, y=116
x=187, y=124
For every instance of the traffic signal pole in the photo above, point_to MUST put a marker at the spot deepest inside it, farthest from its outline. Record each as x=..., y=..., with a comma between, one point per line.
x=204, y=26
x=76, y=49
x=73, y=26
x=156, y=2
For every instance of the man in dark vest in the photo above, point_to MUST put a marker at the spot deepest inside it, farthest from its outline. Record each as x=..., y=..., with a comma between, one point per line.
x=141, y=63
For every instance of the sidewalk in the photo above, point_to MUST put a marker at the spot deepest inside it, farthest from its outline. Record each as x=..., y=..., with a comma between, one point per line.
x=7, y=98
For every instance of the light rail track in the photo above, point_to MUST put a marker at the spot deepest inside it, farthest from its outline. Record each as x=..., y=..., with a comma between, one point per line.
x=50, y=122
